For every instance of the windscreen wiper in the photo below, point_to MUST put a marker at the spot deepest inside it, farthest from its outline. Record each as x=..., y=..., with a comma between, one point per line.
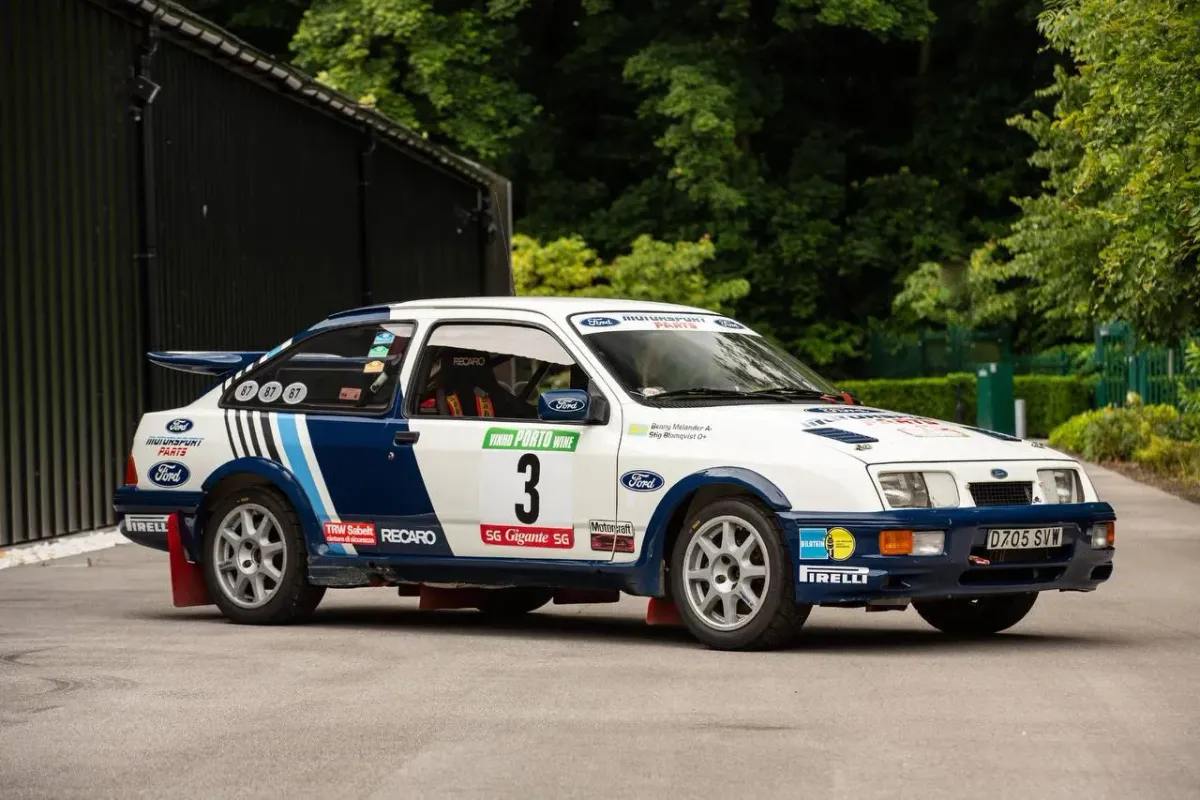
x=704, y=391
x=795, y=392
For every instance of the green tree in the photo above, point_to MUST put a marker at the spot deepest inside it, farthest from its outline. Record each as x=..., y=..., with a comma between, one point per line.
x=1116, y=231
x=828, y=147
x=652, y=270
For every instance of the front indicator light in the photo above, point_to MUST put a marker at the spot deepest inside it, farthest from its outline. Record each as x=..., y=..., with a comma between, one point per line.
x=1104, y=535
x=895, y=543
x=909, y=543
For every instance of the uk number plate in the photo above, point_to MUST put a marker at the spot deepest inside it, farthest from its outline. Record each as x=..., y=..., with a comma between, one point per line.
x=1023, y=538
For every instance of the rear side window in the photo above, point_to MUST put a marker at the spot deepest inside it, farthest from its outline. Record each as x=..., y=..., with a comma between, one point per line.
x=348, y=370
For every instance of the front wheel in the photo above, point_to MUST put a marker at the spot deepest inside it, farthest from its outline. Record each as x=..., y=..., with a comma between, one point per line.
x=732, y=579
x=976, y=616
x=255, y=561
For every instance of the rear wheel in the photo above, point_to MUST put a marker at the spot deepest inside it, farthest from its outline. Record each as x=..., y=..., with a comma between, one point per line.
x=732, y=579
x=976, y=616
x=254, y=560
x=514, y=601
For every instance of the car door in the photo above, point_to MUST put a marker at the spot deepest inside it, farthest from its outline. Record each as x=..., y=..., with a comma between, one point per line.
x=504, y=483
x=326, y=410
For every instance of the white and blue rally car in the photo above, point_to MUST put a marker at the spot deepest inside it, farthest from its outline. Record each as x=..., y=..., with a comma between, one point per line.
x=501, y=453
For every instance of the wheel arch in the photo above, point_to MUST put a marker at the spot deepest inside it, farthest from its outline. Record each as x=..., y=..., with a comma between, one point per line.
x=243, y=473
x=688, y=494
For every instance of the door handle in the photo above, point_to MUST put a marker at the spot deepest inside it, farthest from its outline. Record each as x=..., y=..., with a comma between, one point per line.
x=406, y=437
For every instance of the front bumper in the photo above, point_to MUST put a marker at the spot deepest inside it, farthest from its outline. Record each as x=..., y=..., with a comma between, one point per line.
x=966, y=568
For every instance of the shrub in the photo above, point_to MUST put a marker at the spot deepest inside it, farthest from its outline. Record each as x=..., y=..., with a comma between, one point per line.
x=1114, y=436
x=1167, y=456
x=927, y=397
x=1049, y=399
x=1069, y=436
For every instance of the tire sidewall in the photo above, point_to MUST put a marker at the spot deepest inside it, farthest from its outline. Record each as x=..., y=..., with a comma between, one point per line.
x=780, y=588
x=295, y=571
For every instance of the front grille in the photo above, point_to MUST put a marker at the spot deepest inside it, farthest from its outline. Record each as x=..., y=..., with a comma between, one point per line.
x=1002, y=493
x=1031, y=556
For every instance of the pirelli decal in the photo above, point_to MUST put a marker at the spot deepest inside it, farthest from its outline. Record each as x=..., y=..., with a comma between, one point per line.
x=251, y=434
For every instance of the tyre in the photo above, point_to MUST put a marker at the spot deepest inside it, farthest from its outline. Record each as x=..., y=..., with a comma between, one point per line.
x=976, y=616
x=513, y=602
x=255, y=560
x=731, y=578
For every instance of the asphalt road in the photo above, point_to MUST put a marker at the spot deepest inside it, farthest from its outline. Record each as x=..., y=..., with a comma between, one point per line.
x=106, y=690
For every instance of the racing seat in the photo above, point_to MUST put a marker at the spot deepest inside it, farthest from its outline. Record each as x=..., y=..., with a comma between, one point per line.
x=466, y=377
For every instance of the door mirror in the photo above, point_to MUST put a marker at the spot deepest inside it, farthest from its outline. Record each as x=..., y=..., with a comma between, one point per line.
x=564, y=405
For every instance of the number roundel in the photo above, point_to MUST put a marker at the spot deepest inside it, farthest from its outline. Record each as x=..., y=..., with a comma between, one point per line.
x=295, y=393
x=270, y=392
x=246, y=391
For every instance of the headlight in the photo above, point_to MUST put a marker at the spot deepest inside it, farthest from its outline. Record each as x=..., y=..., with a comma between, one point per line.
x=919, y=489
x=904, y=489
x=1061, y=485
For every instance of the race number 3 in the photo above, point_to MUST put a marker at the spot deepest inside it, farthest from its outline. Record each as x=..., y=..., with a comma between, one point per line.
x=529, y=465
x=526, y=485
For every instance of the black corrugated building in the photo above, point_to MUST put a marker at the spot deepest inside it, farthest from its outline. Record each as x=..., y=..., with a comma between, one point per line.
x=163, y=185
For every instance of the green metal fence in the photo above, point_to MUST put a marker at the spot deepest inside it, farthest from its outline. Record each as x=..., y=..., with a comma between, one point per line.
x=1156, y=373
x=930, y=353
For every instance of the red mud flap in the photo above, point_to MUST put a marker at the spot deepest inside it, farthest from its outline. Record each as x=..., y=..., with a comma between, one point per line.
x=187, y=580
x=662, y=611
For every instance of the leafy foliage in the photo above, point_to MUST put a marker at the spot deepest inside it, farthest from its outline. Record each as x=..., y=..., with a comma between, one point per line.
x=653, y=270
x=827, y=147
x=1159, y=436
x=1116, y=231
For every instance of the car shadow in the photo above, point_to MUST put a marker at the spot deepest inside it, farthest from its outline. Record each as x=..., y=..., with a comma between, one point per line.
x=815, y=638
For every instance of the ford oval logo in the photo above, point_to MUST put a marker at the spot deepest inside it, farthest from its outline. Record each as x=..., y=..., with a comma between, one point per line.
x=169, y=474
x=728, y=323
x=642, y=481
x=566, y=404
x=599, y=322
x=179, y=425
x=999, y=474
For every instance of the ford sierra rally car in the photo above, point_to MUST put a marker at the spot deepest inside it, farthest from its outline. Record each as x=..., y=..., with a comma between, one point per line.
x=503, y=453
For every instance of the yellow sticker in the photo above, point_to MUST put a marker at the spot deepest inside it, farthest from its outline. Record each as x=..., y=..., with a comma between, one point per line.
x=839, y=542
x=373, y=367
x=638, y=430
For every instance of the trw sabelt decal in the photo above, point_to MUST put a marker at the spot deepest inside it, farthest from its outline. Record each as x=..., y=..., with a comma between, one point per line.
x=355, y=533
x=526, y=488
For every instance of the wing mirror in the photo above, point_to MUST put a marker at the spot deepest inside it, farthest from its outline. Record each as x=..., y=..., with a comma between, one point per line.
x=564, y=405
x=572, y=405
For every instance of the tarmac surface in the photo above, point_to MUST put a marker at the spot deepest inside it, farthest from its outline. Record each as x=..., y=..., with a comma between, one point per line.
x=106, y=690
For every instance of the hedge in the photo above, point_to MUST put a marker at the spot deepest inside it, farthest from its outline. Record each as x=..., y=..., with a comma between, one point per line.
x=1049, y=399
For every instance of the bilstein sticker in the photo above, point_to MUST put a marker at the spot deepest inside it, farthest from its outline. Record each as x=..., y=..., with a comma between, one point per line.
x=812, y=543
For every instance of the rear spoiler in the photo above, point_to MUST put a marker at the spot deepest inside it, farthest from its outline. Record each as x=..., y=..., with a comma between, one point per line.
x=214, y=362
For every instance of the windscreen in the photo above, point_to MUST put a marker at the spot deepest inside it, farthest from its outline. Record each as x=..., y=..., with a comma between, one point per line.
x=651, y=354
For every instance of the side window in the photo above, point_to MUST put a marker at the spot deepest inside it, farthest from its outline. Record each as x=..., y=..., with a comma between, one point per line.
x=351, y=370
x=491, y=370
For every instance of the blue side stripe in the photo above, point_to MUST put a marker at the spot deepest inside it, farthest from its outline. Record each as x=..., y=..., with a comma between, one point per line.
x=295, y=454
